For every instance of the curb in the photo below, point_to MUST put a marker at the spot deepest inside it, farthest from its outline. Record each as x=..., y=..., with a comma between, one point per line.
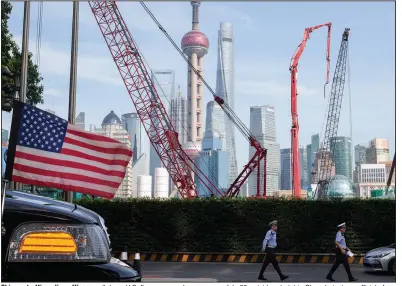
x=318, y=258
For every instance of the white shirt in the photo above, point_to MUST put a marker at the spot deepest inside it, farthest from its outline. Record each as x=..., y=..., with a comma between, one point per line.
x=270, y=239
x=340, y=239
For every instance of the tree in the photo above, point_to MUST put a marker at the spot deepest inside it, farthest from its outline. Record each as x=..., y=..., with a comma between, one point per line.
x=11, y=58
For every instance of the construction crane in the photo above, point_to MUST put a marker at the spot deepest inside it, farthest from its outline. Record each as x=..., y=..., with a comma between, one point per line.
x=147, y=103
x=259, y=157
x=391, y=173
x=295, y=123
x=326, y=152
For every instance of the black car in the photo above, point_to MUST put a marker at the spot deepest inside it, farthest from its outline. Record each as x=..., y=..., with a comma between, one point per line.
x=45, y=240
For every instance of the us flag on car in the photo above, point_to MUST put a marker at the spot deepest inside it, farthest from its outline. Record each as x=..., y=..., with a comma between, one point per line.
x=46, y=150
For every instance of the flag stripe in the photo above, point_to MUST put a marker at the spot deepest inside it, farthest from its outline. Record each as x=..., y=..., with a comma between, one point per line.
x=75, y=147
x=80, y=189
x=70, y=161
x=79, y=154
x=67, y=184
x=66, y=169
x=62, y=175
x=97, y=149
x=108, y=145
x=92, y=136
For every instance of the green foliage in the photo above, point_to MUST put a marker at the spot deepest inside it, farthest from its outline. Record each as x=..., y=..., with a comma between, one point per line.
x=239, y=225
x=11, y=61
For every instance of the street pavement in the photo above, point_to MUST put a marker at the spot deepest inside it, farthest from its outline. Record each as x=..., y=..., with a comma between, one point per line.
x=248, y=272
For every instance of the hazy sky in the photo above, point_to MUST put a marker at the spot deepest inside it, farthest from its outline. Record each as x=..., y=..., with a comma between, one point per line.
x=265, y=36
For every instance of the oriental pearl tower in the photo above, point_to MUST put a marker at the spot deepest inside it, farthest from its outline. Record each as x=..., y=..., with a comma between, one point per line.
x=195, y=45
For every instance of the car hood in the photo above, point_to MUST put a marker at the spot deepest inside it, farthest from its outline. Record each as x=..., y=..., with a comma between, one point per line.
x=379, y=250
x=42, y=206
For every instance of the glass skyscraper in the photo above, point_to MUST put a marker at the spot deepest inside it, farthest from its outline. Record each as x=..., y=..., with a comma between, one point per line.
x=341, y=149
x=360, y=158
x=315, y=144
x=309, y=164
x=214, y=163
x=164, y=82
x=179, y=116
x=225, y=90
x=286, y=169
x=262, y=125
x=215, y=122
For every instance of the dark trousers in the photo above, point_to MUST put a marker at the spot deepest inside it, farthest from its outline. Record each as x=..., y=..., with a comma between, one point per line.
x=270, y=257
x=340, y=259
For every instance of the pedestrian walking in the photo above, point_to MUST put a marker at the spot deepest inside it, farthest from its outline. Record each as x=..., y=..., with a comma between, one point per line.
x=341, y=252
x=268, y=246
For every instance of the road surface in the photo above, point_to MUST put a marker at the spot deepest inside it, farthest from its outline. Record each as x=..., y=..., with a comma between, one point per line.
x=248, y=272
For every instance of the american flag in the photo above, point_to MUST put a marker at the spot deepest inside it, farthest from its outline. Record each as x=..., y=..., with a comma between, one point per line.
x=46, y=150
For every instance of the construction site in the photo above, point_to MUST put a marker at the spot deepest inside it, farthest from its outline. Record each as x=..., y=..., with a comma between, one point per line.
x=190, y=175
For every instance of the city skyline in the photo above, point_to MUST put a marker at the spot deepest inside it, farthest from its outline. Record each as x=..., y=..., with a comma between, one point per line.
x=261, y=70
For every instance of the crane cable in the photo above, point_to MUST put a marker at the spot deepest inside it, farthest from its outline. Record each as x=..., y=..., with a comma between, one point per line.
x=230, y=113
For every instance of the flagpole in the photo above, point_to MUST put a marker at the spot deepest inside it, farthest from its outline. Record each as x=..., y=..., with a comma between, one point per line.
x=73, y=76
x=3, y=197
x=24, y=63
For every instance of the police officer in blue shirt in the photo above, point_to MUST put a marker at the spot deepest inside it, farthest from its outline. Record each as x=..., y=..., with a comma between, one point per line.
x=268, y=246
x=341, y=254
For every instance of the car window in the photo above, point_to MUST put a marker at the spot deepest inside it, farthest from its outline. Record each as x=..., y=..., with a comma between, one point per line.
x=392, y=245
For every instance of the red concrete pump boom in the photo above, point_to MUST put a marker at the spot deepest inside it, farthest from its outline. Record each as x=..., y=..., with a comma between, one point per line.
x=295, y=124
x=146, y=101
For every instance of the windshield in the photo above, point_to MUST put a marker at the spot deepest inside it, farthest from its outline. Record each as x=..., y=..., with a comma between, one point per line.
x=392, y=245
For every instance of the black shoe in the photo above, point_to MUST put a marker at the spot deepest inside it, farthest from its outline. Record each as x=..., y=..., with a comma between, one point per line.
x=353, y=279
x=330, y=278
x=262, y=278
x=284, y=277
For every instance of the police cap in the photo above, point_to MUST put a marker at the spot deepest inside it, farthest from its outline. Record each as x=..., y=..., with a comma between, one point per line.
x=342, y=225
x=274, y=222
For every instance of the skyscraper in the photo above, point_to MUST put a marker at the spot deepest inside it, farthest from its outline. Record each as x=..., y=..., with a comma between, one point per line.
x=214, y=163
x=80, y=120
x=341, y=149
x=286, y=169
x=315, y=144
x=225, y=89
x=309, y=164
x=164, y=82
x=179, y=116
x=303, y=166
x=215, y=122
x=195, y=45
x=360, y=158
x=140, y=145
x=262, y=125
x=377, y=151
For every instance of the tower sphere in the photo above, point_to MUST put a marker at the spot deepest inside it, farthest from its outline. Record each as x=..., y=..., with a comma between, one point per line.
x=195, y=2
x=195, y=42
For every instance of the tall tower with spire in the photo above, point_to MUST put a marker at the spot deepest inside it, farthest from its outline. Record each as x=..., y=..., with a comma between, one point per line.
x=195, y=45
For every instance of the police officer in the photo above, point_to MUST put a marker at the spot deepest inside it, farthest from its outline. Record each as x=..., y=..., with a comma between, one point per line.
x=268, y=246
x=341, y=254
